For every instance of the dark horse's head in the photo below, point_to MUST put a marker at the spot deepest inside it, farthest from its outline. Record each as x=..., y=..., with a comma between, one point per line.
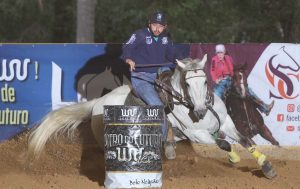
x=240, y=80
x=244, y=111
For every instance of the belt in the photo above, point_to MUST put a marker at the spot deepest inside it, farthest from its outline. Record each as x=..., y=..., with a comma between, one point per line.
x=224, y=77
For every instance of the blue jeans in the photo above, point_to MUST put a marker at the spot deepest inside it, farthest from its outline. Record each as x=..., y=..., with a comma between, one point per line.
x=143, y=84
x=263, y=107
x=222, y=86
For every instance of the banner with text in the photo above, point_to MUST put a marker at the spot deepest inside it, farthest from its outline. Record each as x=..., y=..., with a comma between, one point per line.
x=272, y=74
x=38, y=78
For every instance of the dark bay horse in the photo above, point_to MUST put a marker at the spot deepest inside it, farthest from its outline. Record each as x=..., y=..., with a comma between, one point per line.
x=243, y=108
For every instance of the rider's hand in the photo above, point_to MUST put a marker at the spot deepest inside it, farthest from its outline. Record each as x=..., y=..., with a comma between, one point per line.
x=131, y=64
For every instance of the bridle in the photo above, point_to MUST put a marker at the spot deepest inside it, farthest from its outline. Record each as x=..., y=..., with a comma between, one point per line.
x=238, y=85
x=239, y=94
x=183, y=79
x=186, y=100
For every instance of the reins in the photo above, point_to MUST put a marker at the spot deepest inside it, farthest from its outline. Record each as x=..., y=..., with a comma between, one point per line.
x=185, y=99
x=154, y=65
x=234, y=92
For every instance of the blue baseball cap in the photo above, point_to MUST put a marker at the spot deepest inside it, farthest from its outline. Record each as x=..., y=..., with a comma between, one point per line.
x=158, y=17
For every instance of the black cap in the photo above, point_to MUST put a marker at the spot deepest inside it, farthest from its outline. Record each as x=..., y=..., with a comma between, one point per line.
x=158, y=17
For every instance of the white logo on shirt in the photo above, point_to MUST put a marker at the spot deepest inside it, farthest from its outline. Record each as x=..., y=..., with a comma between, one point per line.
x=131, y=40
x=164, y=40
x=148, y=40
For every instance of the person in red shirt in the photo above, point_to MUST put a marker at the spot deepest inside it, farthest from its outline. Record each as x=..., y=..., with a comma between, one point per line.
x=221, y=71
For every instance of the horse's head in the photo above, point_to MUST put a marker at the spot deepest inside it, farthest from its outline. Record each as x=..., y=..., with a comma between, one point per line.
x=239, y=79
x=193, y=83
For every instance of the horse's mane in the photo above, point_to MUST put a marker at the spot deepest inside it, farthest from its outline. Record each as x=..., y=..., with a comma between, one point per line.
x=192, y=63
x=240, y=67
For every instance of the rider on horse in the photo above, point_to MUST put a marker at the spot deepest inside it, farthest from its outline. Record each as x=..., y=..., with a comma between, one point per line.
x=221, y=70
x=146, y=52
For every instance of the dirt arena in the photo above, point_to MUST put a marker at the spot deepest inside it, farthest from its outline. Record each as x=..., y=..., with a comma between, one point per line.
x=79, y=164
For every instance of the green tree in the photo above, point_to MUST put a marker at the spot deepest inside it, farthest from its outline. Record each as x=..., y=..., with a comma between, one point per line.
x=189, y=21
x=85, y=29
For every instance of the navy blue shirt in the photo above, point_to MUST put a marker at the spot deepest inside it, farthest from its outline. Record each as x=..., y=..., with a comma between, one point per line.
x=143, y=49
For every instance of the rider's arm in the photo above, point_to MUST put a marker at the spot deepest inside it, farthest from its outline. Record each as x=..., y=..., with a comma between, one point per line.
x=171, y=54
x=213, y=70
x=131, y=64
x=230, y=65
x=129, y=49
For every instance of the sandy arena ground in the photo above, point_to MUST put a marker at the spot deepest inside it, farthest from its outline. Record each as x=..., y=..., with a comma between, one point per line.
x=79, y=164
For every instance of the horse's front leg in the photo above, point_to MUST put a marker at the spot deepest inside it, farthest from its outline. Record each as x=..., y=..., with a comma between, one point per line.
x=266, y=134
x=230, y=130
x=226, y=146
x=199, y=136
x=204, y=137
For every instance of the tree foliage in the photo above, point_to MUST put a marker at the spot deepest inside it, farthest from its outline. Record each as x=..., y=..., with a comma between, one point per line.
x=189, y=21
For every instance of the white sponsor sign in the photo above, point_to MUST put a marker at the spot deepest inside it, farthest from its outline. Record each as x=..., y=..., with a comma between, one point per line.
x=275, y=76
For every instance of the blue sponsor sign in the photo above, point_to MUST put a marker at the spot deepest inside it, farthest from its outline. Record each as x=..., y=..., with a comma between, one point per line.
x=38, y=78
x=32, y=76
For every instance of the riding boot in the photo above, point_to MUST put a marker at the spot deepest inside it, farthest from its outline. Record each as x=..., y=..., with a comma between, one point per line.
x=263, y=107
x=270, y=106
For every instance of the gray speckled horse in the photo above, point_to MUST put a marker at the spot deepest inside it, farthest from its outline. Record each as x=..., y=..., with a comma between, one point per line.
x=190, y=81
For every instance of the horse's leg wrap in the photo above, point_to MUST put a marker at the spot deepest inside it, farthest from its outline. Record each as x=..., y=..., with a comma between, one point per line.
x=234, y=157
x=262, y=161
x=223, y=144
x=260, y=157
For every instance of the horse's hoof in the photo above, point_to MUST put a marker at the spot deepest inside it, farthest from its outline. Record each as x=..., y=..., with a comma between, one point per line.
x=170, y=152
x=234, y=157
x=268, y=170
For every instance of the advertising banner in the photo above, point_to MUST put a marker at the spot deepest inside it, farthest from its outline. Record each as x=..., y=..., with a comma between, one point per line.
x=273, y=75
x=38, y=78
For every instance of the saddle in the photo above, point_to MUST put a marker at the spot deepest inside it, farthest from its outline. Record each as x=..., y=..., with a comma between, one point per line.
x=133, y=99
x=163, y=79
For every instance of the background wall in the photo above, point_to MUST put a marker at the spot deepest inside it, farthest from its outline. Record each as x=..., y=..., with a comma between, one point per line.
x=38, y=78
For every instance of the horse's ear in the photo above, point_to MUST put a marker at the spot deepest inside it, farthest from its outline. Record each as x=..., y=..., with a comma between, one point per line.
x=180, y=64
x=204, y=59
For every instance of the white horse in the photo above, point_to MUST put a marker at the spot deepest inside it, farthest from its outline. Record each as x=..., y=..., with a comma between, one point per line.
x=192, y=114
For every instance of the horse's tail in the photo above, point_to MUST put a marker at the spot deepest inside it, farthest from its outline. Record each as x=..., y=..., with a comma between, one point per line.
x=60, y=121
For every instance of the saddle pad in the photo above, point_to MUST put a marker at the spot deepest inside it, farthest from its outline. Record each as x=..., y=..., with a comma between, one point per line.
x=133, y=100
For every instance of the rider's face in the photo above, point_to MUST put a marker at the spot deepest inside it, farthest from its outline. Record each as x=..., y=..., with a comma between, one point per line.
x=221, y=55
x=156, y=28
